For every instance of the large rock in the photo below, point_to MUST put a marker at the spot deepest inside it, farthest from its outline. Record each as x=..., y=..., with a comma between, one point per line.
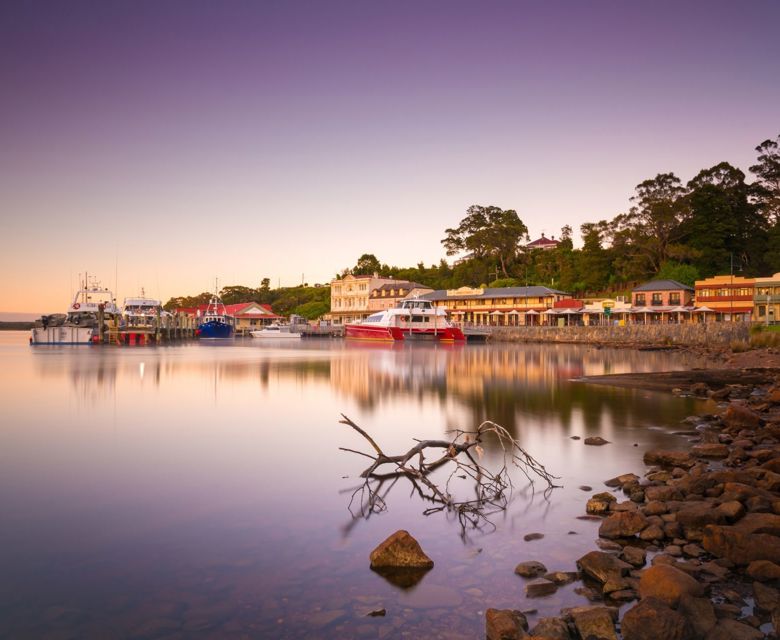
x=653, y=619
x=737, y=415
x=754, y=537
x=599, y=504
x=766, y=598
x=699, y=613
x=602, y=566
x=662, y=493
x=710, y=450
x=400, y=551
x=669, y=458
x=732, y=630
x=551, y=629
x=505, y=624
x=668, y=584
x=697, y=515
x=539, y=588
x=594, y=622
x=763, y=570
x=622, y=524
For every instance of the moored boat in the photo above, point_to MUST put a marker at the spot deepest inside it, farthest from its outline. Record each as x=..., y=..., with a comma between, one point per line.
x=215, y=322
x=412, y=319
x=88, y=316
x=277, y=332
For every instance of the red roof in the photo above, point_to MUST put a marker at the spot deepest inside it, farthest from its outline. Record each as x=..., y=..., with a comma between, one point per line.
x=568, y=303
x=543, y=242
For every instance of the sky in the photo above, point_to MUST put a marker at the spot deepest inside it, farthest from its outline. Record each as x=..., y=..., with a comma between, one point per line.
x=161, y=145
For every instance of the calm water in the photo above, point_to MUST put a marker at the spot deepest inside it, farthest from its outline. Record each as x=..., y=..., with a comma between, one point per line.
x=199, y=491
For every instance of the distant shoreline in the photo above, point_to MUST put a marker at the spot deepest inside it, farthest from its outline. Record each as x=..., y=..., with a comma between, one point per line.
x=15, y=326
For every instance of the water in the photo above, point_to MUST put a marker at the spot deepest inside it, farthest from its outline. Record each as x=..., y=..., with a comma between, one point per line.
x=198, y=490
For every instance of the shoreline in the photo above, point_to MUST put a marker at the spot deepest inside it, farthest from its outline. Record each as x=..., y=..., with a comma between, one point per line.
x=692, y=548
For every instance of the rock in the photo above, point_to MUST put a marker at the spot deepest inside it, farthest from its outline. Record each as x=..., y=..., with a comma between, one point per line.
x=530, y=537
x=699, y=613
x=695, y=516
x=530, y=569
x=652, y=533
x=505, y=624
x=552, y=629
x=732, y=630
x=400, y=551
x=561, y=577
x=585, y=487
x=375, y=613
x=699, y=389
x=693, y=550
x=754, y=537
x=662, y=493
x=596, y=441
x=710, y=450
x=653, y=619
x=539, y=588
x=609, y=545
x=599, y=504
x=596, y=622
x=602, y=566
x=763, y=570
x=669, y=458
x=622, y=524
x=621, y=480
x=668, y=583
x=767, y=598
x=655, y=508
x=737, y=415
x=635, y=556
x=732, y=510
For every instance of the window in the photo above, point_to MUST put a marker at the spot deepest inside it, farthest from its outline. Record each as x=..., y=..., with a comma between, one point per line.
x=674, y=298
x=657, y=299
x=640, y=299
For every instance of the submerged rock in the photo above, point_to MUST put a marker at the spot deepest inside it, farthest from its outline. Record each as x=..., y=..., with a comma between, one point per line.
x=530, y=569
x=595, y=441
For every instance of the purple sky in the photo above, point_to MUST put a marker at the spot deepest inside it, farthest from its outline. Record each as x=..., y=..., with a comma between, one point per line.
x=184, y=141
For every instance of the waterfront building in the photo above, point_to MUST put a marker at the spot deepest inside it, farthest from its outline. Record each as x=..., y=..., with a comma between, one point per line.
x=596, y=311
x=349, y=297
x=766, y=300
x=498, y=306
x=248, y=315
x=662, y=293
x=389, y=295
x=730, y=297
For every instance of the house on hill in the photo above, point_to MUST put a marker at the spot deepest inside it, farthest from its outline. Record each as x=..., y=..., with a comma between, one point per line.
x=543, y=243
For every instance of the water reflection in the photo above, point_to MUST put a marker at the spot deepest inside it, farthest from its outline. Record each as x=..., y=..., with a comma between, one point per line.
x=199, y=490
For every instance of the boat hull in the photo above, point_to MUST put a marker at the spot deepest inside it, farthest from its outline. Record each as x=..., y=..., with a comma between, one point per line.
x=392, y=334
x=276, y=335
x=62, y=335
x=210, y=330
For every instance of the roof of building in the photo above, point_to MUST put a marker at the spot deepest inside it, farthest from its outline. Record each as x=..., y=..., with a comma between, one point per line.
x=542, y=242
x=662, y=285
x=496, y=292
x=401, y=284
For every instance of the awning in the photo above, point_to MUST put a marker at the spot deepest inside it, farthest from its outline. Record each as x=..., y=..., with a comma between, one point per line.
x=497, y=313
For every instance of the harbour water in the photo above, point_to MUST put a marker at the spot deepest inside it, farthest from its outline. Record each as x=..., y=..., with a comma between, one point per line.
x=198, y=490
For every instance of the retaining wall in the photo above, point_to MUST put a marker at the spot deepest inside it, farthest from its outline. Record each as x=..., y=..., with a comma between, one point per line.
x=712, y=334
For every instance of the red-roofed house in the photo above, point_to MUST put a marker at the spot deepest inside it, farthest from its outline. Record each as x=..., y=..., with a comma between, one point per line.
x=248, y=315
x=543, y=243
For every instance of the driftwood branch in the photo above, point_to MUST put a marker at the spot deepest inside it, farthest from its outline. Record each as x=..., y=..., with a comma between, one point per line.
x=492, y=488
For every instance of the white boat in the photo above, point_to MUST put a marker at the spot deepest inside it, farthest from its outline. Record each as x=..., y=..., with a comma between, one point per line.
x=276, y=331
x=144, y=313
x=81, y=324
x=412, y=319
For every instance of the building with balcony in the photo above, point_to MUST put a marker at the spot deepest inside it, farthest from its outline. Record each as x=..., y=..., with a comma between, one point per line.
x=497, y=306
x=662, y=293
x=766, y=300
x=730, y=297
x=349, y=297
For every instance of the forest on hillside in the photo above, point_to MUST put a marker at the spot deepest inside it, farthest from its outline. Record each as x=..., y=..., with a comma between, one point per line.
x=716, y=223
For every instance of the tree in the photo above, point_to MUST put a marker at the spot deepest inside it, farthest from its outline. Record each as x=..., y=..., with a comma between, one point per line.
x=366, y=265
x=487, y=232
x=723, y=223
x=594, y=261
x=684, y=273
x=766, y=189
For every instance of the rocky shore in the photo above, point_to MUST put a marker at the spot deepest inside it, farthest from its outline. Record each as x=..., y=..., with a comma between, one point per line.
x=692, y=549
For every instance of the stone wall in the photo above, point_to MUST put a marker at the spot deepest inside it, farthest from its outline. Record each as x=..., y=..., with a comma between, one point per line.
x=712, y=334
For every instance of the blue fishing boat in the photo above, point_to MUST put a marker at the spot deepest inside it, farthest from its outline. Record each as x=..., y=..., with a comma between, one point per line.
x=215, y=322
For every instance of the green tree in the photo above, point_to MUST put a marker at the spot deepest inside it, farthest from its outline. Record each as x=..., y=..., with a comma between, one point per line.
x=367, y=265
x=593, y=265
x=487, y=232
x=766, y=189
x=685, y=273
